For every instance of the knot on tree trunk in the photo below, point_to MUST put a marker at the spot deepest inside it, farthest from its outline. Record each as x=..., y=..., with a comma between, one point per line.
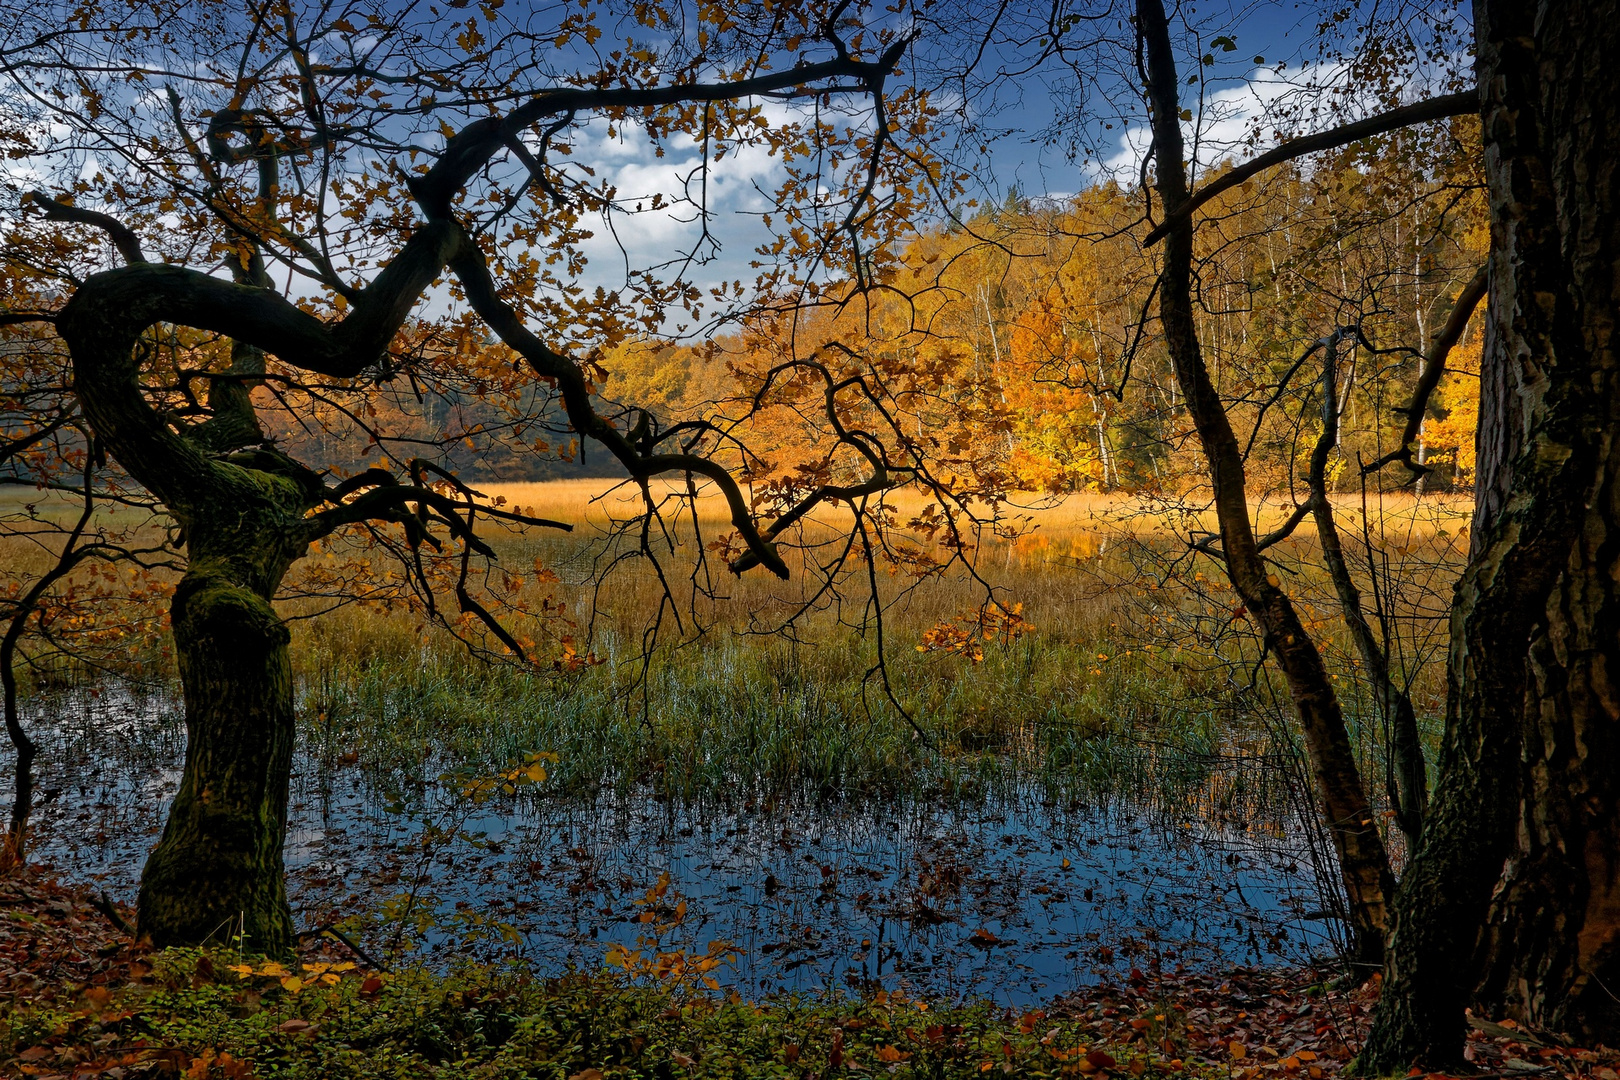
x=232, y=616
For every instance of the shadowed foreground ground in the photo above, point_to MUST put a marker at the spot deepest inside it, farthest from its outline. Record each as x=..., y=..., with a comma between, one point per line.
x=78, y=999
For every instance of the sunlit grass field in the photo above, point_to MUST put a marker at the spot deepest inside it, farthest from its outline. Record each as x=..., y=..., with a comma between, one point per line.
x=1133, y=680
x=1133, y=677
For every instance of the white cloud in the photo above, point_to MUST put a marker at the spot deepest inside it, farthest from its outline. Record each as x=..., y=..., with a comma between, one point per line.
x=739, y=190
x=1219, y=129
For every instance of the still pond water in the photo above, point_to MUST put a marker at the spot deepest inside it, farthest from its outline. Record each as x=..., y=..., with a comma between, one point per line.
x=1013, y=899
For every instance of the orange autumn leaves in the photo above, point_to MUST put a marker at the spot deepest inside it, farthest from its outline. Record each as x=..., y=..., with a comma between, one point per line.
x=967, y=635
x=328, y=974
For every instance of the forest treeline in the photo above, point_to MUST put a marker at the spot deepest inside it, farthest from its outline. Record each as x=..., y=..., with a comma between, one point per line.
x=1023, y=327
x=1026, y=329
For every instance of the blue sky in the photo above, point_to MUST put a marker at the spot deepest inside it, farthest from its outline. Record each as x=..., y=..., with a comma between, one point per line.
x=1264, y=56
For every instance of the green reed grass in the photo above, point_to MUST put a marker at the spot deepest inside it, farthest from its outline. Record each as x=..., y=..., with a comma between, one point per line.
x=1136, y=684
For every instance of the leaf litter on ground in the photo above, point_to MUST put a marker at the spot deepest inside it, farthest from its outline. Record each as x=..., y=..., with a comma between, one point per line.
x=80, y=1000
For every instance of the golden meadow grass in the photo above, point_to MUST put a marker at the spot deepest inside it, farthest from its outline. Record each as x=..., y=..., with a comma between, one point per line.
x=1135, y=681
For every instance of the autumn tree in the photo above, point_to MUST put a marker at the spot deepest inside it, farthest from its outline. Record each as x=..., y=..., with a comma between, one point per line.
x=1518, y=871
x=310, y=205
x=947, y=306
x=1066, y=346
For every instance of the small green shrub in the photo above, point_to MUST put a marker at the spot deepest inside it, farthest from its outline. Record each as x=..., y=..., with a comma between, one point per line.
x=200, y=1015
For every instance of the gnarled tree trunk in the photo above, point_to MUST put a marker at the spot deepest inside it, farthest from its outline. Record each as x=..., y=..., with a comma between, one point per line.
x=218, y=872
x=248, y=512
x=1523, y=727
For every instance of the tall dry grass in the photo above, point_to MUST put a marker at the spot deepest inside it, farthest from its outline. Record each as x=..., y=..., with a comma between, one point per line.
x=1133, y=681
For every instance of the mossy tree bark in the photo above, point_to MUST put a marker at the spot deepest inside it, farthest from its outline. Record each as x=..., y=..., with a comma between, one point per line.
x=248, y=513
x=217, y=872
x=1363, y=860
x=1522, y=781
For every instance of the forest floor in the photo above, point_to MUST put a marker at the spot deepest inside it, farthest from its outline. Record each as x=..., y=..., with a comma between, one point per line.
x=80, y=999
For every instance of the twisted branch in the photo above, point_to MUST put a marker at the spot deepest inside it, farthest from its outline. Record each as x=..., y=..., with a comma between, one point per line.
x=1434, y=365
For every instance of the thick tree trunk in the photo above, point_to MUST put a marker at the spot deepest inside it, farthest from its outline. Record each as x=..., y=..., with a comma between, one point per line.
x=1551, y=952
x=1551, y=111
x=217, y=872
x=1363, y=861
x=1552, y=947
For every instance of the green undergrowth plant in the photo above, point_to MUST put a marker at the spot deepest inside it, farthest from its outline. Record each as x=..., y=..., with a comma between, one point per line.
x=203, y=1015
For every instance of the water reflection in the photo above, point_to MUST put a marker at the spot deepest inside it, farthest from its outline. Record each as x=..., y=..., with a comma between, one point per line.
x=1014, y=899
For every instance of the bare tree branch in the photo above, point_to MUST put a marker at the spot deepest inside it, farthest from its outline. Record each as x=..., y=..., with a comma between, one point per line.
x=1434, y=365
x=1458, y=104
